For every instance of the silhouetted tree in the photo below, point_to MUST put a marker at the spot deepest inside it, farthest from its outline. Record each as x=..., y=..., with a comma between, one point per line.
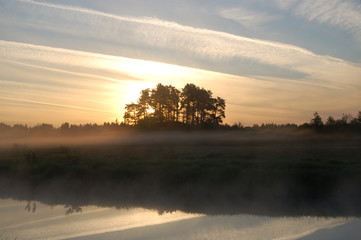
x=316, y=121
x=132, y=113
x=331, y=122
x=173, y=104
x=219, y=110
x=21, y=127
x=357, y=120
x=189, y=96
x=198, y=106
x=345, y=119
x=164, y=100
x=65, y=126
x=164, y=103
x=143, y=103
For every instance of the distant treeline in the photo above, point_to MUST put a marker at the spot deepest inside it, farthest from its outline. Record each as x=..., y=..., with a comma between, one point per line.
x=346, y=123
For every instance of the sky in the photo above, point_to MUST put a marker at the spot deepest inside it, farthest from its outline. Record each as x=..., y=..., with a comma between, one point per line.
x=273, y=61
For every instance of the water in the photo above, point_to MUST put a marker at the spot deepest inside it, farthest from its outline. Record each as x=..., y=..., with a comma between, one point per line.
x=32, y=220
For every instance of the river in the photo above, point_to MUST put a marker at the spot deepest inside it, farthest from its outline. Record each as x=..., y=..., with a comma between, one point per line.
x=23, y=220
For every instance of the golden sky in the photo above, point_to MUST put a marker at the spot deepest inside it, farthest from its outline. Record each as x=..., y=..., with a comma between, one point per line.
x=82, y=62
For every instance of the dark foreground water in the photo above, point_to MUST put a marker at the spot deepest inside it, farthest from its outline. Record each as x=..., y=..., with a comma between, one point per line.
x=32, y=220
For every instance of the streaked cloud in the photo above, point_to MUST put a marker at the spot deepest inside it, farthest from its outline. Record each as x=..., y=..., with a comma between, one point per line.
x=172, y=39
x=43, y=78
x=285, y=4
x=345, y=14
x=51, y=104
x=92, y=62
x=248, y=18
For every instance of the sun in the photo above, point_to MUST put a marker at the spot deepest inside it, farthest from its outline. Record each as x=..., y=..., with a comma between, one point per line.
x=125, y=92
x=131, y=91
x=131, y=76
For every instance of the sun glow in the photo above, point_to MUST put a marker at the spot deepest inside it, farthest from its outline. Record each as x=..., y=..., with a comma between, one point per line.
x=124, y=93
x=131, y=92
x=142, y=75
x=150, y=70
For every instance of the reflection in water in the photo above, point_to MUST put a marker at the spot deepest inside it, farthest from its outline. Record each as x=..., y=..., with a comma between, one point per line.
x=51, y=222
x=30, y=206
x=70, y=209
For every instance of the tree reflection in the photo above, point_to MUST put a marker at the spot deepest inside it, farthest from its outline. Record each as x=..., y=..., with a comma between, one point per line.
x=30, y=206
x=70, y=209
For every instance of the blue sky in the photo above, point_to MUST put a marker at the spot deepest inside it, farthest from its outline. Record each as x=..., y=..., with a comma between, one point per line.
x=273, y=61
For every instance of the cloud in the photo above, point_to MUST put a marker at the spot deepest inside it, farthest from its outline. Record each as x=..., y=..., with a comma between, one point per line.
x=51, y=104
x=48, y=77
x=171, y=40
x=327, y=84
x=248, y=18
x=285, y=4
x=340, y=13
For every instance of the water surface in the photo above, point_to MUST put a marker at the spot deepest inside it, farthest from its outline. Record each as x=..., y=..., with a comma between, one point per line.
x=34, y=220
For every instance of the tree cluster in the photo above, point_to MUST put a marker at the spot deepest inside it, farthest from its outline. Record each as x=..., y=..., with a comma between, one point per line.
x=347, y=121
x=191, y=105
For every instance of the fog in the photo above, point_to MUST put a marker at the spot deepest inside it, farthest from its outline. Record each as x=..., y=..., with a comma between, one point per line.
x=46, y=139
x=276, y=173
x=55, y=137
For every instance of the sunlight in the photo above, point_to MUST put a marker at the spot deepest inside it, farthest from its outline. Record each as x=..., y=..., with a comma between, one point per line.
x=124, y=93
x=131, y=91
x=141, y=75
x=150, y=70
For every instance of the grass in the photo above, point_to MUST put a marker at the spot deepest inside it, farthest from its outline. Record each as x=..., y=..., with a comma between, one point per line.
x=273, y=175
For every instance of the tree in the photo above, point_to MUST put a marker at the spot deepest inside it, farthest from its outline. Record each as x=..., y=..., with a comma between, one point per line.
x=316, y=121
x=131, y=115
x=204, y=106
x=198, y=106
x=65, y=126
x=357, y=120
x=173, y=104
x=143, y=103
x=188, y=99
x=164, y=100
x=219, y=110
x=164, y=103
x=331, y=121
x=345, y=119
